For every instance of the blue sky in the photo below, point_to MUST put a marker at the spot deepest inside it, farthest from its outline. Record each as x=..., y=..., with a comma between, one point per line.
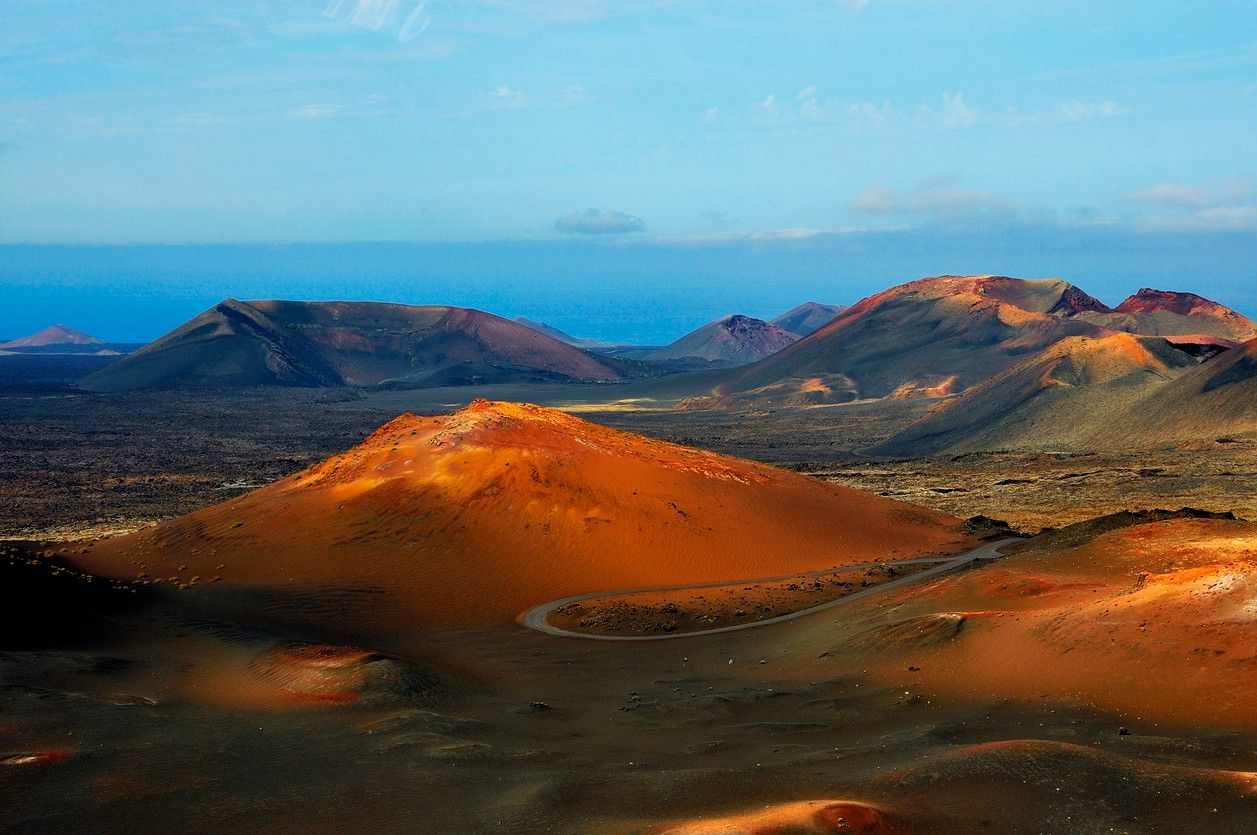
x=643, y=123
x=487, y=119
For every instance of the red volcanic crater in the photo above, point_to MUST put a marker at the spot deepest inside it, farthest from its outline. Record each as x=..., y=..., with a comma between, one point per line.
x=1148, y=300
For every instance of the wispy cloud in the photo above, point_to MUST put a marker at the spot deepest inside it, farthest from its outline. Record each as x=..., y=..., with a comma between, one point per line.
x=597, y=222
x=1065, y=112
x=782, y=234
x=1217, y=219
x=956, y=113
x=1217, y=206
x=572, y=11
x=809, y=107
x=944, y=203
x=953, y=111
x=405, y=19
x=199, y=120
x=315, y=111
x=1188, y=195
x=507, y=98
x=1076, y=110
x=940, y=198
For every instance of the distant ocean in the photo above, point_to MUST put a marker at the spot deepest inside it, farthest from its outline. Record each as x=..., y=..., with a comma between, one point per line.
x=619, y=290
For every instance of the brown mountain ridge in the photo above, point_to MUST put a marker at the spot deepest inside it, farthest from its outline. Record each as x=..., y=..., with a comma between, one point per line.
x=294, y=343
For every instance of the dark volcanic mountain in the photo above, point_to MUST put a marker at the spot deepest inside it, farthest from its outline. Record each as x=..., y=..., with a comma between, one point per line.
x=54, y=336
x=733, y=340
x=292, y=343
x=940, y=336
x=808, y=317
x=935, y=335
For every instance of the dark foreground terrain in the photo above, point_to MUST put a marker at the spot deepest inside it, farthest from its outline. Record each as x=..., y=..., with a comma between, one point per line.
x=138, y=708
x=153, y=716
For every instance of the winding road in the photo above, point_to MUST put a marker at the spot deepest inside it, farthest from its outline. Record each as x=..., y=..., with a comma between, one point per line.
x=536, y=618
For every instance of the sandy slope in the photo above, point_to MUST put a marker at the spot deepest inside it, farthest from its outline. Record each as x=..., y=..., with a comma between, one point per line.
x=1087, y=393
x=1060, y=398
x=1155, y=621
x=1216, y=399
x=475, y=517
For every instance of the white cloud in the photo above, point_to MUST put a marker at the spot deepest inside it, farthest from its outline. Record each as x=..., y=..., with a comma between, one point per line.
x=869, y=113
x=943, y=203
x=511, y=99
x=406, y=19
x=1216, y=206
x=505, y=97
x=808, y=107
x=956, y=113
x=712, y=114
x=1076, y=111
x=597, y=222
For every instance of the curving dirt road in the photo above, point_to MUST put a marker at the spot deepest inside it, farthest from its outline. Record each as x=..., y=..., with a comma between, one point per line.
x=535, y=618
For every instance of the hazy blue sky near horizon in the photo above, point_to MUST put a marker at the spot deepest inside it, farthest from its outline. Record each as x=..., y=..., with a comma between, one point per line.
x=653, y=139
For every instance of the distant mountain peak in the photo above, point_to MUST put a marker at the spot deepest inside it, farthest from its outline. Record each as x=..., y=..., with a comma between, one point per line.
x=1074, y=300
x=1148, y=300
x=53, y=335
x=555, y=333
x=809, y=317
x=733, y=339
